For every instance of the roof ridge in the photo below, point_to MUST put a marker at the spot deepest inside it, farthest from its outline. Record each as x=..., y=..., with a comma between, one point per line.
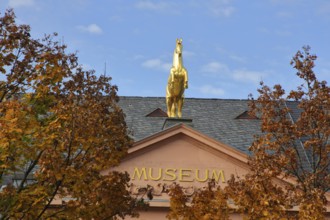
x=191, y=98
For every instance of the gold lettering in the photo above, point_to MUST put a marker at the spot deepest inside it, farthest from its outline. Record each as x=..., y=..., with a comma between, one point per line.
x=205, y=178
x=159, y=174
x=216, y=176
x=182, y=175
x=185, y=173
x=139, y=174
x=169, y=172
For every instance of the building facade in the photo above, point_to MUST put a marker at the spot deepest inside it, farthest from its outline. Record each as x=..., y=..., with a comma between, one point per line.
x=210, y=141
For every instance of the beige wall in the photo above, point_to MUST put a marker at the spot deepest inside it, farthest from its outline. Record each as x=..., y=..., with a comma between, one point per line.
x=182, y=156
x=179, y=154
x=180, y=159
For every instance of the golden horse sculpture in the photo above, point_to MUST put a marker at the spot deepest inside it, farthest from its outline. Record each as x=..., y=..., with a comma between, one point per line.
x=177, y=83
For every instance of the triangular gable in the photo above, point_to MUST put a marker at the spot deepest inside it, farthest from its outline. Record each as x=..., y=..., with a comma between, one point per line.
x=180, y=155
x=182, y=129
x=157, y=113
x=247, y=115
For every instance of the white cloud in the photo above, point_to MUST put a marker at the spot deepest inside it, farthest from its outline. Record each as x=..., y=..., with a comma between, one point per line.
x=20, y=3
x=222, y=8
x=240, y=75
x=157, y=64
x=248, y=76
x=215, y=67
x=153, y=6
x=237, y=58
x=187, y=53
x=92, y=28
x=284, y=2
x=210, y=90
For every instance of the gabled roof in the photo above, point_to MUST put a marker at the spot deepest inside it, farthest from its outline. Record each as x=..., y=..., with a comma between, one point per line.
x=215, y=118
x=219, y=119
x=213, y=122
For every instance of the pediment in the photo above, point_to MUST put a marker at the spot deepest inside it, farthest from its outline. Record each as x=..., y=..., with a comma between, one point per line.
x=179, y=155
x=182, y=141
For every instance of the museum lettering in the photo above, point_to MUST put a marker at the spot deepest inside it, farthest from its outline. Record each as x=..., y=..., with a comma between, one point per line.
x=178, y=174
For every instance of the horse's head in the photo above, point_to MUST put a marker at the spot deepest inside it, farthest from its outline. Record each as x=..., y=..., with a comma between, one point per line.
x=177, y=56
x=178, y=47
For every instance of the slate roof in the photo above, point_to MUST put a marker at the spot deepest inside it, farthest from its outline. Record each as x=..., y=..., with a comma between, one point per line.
x=215, y=118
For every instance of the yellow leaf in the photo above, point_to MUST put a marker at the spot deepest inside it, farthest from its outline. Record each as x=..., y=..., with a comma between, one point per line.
x=265, y=213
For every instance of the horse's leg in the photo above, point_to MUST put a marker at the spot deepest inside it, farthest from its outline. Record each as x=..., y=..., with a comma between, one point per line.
x=173, y=108
x=180, y=104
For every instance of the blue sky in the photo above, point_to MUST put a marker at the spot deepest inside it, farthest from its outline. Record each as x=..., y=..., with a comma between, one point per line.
x=228, y=45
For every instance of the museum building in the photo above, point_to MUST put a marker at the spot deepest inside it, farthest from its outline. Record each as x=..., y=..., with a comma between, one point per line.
x=209, y=141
